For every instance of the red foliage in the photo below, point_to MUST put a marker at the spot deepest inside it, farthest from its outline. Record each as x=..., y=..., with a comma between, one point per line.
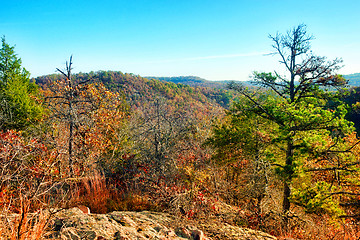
x=26, y=164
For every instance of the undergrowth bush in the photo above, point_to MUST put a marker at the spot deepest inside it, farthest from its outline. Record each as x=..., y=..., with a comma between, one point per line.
x=28, y=181
x=196, y=190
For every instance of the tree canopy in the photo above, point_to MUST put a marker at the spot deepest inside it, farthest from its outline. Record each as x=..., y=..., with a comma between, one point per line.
x=306, y=116
x=19, y=97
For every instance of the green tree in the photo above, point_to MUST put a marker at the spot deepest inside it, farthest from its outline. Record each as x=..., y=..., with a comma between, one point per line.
x=19, y=97
x=302, y=105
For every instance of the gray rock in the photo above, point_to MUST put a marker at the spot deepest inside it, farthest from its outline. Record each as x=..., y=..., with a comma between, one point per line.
x=73, y=224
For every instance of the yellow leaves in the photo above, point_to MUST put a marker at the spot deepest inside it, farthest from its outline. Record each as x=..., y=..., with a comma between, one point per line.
x=196, y=175
x=95, y=113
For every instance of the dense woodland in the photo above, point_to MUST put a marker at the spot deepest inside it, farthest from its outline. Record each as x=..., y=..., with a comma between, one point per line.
x=279, y=154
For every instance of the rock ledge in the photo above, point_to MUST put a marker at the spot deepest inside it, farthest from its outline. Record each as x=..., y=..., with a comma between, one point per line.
x=74, y=224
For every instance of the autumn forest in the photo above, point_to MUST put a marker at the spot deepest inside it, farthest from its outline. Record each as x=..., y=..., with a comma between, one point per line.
x=279, y=154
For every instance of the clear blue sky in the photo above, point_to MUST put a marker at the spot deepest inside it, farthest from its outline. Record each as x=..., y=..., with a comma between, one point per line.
x=213, y=39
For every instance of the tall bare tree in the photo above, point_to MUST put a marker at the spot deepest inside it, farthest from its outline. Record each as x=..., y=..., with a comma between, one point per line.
x=70, y=103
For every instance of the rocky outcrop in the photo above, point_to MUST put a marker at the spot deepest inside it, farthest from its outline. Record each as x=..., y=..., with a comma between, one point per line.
x=74, y=224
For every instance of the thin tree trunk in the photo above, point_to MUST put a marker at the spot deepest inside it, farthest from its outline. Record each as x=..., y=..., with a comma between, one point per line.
x=289, y=174
x=70, y=147
x=71, y=123
x=286, y=202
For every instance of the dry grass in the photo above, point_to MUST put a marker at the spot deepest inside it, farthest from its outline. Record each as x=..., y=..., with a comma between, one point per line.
x=91, y=191
x=25, y=225
x=101, y=197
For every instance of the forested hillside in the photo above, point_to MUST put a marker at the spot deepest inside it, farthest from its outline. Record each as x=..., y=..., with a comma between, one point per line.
x=139, y=90
x=187, y=80
x=197, y=93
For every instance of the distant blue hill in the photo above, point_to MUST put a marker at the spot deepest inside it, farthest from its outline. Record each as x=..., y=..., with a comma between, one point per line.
x=194, y=81
x=354, y=79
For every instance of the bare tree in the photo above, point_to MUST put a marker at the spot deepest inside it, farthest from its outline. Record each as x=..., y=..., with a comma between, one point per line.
x=71, y=104
x=160, y=133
